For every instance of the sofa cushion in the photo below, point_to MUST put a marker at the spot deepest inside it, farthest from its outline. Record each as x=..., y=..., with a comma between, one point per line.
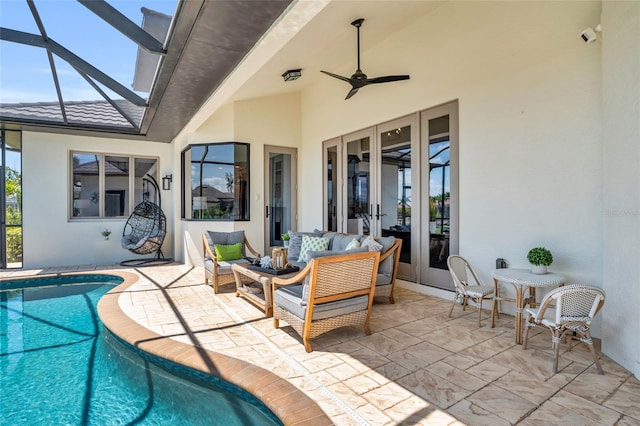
x=386, y=266
x=223, y=267
x=312, y=244
x=295, y=243
x=341, y=241
x=290, y=299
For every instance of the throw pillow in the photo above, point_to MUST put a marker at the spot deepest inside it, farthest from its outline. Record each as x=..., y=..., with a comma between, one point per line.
x=352, y=245
x=372, y=244
x=228, y=252
x=295, y=243
x=312, y=244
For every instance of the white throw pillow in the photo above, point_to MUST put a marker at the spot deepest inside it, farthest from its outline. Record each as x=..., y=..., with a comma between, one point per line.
x=353, y=244
x=372, y=244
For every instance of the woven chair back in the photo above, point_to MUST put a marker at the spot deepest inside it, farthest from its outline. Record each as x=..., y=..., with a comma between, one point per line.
x=345, y=276
x=461, y=271
x=576, y=302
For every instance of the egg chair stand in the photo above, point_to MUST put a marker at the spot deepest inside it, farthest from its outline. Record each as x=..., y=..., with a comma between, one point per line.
x=146, y=229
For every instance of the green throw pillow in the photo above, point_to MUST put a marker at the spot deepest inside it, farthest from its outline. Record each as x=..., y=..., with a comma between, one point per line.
x=312, y=244
x=230, y=252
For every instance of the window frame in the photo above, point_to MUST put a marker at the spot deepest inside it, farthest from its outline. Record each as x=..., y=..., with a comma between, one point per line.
x=186, y=211
x=131, y=184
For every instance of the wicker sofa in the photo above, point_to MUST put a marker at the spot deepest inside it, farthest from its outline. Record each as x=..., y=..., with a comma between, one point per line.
x=338, y=243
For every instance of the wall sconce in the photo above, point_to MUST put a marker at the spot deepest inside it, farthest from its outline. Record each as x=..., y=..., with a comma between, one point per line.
x=166, y=182
x=291, y=75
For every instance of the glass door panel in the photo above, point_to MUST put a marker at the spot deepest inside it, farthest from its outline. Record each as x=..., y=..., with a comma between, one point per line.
x=358, y=182
x=280, y=194
x=440, y=171
x=394, y=210
x=331, y=178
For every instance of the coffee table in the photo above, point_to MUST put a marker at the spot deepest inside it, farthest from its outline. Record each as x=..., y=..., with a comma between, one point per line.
x=258, y=289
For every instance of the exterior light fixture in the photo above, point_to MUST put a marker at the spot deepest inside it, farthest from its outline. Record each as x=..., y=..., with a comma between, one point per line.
x=166, y=182
x=291, y=75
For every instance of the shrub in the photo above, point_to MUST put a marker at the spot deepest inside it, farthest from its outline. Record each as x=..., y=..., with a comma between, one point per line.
x=540, y=256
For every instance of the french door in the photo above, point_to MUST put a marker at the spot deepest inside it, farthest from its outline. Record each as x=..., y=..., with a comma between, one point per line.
x=280, y=189
x=439, y=176
x=392, y=180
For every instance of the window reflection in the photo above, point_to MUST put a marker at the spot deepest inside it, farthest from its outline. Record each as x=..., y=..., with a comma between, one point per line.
x=439, y=191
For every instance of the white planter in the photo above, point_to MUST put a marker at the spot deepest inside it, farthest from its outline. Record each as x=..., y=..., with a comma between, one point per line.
x=432, y=227
x=539, y=269
x=285, y=243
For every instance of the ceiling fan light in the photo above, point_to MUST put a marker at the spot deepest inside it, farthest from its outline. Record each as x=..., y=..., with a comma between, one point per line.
x=291, y=75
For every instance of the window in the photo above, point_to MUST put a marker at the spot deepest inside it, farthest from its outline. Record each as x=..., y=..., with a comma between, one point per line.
x=216, y=181
x=104, y=187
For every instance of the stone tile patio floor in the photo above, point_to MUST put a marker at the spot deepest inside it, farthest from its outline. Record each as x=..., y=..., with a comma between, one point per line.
x=417, y=367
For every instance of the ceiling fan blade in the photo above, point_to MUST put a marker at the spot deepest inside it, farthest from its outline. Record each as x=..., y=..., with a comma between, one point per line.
x=339, y=77
x=351, y=93
x=387, y=79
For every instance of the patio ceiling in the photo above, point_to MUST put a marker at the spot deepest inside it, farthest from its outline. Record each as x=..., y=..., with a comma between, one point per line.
x=206, y=40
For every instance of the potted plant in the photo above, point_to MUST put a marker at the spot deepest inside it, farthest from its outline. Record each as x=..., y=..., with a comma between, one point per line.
x=540, y=258
x=106, y=234
x=285, y=239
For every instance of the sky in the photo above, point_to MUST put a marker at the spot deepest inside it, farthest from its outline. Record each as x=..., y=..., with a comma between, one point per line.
x=25, y=74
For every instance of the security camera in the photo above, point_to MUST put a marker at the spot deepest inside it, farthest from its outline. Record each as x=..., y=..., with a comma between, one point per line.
x=590, y=35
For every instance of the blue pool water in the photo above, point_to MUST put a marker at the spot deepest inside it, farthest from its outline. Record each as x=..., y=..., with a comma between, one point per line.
x=57, y=367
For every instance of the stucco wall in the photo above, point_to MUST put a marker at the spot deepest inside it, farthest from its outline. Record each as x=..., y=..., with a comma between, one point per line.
x=262, y=121
x=50, y=238
x=621, y=182
x=529, y=105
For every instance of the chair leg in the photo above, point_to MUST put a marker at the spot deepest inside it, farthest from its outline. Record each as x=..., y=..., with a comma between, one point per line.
x=494, y=312
x=589, y=343
x=526, y=334
x=307, y=344
x=479, y=311
x=455, y=299
x=556, y=350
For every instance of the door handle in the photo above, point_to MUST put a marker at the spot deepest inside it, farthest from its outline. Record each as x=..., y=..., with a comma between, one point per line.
x=378, y=215
x=266, y=211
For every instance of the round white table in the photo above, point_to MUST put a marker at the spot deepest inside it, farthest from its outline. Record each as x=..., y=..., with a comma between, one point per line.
x=523, y=279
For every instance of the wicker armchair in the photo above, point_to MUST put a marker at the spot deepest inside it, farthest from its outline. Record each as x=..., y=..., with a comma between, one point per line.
x=337, y=291
x=219, y=272
x=461, y=271
x=575, y=307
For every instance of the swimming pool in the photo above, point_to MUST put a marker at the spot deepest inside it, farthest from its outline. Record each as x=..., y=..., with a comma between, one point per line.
x=58, y=366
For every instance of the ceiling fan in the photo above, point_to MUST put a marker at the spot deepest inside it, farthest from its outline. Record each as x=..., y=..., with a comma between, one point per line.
x=359, y=79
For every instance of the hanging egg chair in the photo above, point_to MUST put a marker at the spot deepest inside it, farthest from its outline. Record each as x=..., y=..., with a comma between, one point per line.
x=145, y=229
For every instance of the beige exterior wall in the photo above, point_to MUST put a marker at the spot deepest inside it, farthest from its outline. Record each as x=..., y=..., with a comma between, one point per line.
x=49, y=237
x=263, y=121
x=529, y=102
x=620, y=210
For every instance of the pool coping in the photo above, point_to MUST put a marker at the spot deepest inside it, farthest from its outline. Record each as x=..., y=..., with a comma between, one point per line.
x=291, y=405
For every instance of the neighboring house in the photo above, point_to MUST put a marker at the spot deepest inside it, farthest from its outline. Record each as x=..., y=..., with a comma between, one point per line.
x=543, y=129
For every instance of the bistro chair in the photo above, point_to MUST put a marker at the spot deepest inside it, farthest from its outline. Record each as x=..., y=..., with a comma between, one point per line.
x=575, y=307
x=461, y=273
